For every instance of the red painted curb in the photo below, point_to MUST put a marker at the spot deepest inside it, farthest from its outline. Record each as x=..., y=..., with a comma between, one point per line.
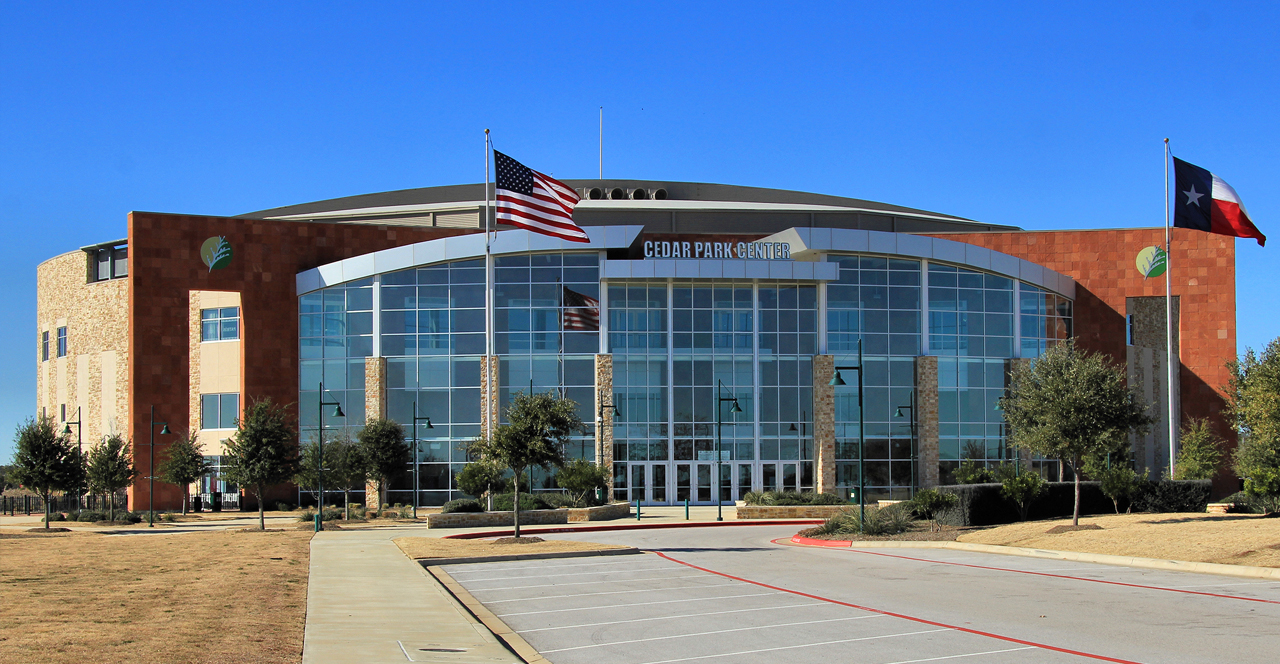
x=805, y=541
x=639, y=526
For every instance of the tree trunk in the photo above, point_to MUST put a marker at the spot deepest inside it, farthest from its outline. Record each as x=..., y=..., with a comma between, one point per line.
x=262, y=517
x=111, y=506
x=186, y=497
x=46, y=511
x=1075, y=515
x=515, y=505
x=346, y=504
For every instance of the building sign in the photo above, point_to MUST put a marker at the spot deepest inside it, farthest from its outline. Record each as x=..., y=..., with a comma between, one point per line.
x=216, y=253
x=749, y=250
x=1152, y=262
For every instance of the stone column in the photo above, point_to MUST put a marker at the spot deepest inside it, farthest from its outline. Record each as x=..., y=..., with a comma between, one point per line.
x=375, y=407
x=926, y=421
x=488, y=394
x=824, y=423
x=604, y=423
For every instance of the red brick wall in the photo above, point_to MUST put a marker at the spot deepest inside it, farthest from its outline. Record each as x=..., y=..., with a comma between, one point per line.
x=1203, y=274
x=164, y=265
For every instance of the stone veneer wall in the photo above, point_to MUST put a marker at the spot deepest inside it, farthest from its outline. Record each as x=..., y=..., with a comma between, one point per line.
x=94, y=373
x=375, y=407
x=488, y=393
x=604, y=427
x=824, y=423
x=927, y=421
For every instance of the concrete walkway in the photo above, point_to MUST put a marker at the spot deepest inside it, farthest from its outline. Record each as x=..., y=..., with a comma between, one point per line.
x=368, y=603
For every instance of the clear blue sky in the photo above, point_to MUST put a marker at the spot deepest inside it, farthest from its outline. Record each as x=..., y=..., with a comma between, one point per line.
x=1039, y=116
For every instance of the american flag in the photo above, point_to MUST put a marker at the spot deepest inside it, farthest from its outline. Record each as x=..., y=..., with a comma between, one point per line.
x=535, y=202
x=581, y=313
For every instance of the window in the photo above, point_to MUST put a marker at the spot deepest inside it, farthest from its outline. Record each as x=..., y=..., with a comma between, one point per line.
x=44, y=346
x=220, y=324
x=219, y=411
x=62, y=341
x=108, y=261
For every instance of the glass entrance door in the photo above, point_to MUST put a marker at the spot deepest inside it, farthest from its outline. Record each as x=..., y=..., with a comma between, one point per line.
x=769, y=477
x=649, y=483
x=742, y=480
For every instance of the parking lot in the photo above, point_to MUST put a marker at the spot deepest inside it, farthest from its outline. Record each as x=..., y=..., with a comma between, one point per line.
x=731, y=595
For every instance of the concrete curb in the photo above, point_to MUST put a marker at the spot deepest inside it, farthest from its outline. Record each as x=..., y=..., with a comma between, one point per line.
x=429, y=562
x=493, y=623
x=1243, y=571
x=637, y=526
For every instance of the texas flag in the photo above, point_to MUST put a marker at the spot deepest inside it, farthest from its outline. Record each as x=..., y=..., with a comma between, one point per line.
x=1204, y=202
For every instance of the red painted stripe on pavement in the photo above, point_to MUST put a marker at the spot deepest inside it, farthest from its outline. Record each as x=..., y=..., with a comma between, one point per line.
x=903, y=616
x=805, y=541
x=640, y=526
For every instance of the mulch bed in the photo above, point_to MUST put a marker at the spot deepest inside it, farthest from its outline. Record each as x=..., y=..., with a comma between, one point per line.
x=1066, y=529
x=49, y=530
x=517, y=540
x=917, y=533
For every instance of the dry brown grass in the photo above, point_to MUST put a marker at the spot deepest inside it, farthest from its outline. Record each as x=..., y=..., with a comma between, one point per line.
x=210, y=597
x=434, y=547
x=1232, y=539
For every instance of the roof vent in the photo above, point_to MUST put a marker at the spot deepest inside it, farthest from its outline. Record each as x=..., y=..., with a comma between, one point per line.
x=639, y=194
x=595, y=193
x=618, y=194
x=659, y=194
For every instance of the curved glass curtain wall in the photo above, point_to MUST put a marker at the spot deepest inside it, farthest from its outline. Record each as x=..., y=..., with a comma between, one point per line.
x=673, y=342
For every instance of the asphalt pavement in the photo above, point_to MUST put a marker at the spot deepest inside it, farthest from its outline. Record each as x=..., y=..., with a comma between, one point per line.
x=732, y=595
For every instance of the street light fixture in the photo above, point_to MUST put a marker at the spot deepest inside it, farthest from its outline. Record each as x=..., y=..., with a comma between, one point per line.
x=911, y=408
x=337, y=412
x=151, y=466
x=66, y=431
x=836, y=380
x=734, y=409
x=801, y=433
x=416, y=450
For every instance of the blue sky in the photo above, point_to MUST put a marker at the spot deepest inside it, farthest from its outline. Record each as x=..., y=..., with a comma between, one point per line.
x=1044, y=117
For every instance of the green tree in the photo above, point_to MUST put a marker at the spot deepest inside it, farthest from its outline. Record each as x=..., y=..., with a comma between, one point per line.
x=929, y=503
x=972, y=472
x=537, y=428
x=344, y=466
x=1118, y=483
x=483, y=477
x=262, y=452
x=385, y=452
x=184, y=464
x=1068, y=404
x=1253, y=400
x=111, y=469
x=580, y=477
x=1200, y=450
x=1023, y=489
x=46, y=461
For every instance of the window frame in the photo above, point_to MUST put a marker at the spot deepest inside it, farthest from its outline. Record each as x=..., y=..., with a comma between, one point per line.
x=62, y=341
x=218, y=321
x=44, y=346
x=219, y=410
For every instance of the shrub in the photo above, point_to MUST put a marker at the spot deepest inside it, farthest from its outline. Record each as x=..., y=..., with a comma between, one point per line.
x=754, y=498
x=404, y=511
x=54, y=516
x=769, y=498
x=889, y=520
x=972, y=472
x=983, y=505
x=1240, y=503
x=558, y=500
x=169, y=517
x=1118, y=483
x=462, y=505
x=330, y=514
x=825, y=499
x=929, y=503
x=503, y=502
x=582, y=479
x=1023, y=489
x=128, y=517
x=90, y=516
x=284, y=507
x=1172, y=496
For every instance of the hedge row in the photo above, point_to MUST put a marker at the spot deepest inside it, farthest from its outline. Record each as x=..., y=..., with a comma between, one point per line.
x=982, y=504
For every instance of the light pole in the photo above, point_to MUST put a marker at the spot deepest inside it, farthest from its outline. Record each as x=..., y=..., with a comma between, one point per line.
x=800, y=436
x=911, y=408
x=720, y=455
x=602, y=405
x=66, y=431
x=151, y=466
x=862, y=439
x=337, y=412
x=416, y=419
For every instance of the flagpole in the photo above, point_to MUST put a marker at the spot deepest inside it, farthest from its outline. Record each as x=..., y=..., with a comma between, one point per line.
x=1168, y=312
x=601, y=142
x=488, y=296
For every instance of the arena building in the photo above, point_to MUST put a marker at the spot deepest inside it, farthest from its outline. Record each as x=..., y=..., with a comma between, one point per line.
x=706, y=332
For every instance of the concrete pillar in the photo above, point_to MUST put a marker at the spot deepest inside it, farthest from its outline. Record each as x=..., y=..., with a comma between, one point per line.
x=927, y=421
x=488, y=394
x=375, y=407
x=604, y=423
x=824, y=423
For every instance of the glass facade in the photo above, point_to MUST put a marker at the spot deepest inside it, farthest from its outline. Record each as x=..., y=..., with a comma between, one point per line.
x=704, y=371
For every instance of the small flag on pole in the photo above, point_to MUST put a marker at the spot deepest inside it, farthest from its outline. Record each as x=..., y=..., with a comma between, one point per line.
x=581, y=313
x=1205, y=202
x=535, y=202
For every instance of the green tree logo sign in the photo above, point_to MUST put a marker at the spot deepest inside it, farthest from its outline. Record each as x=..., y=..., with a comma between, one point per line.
x=216, y=253
x=1151, y=261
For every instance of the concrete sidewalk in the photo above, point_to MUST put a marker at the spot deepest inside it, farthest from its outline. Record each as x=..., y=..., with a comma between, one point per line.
x=367, y=602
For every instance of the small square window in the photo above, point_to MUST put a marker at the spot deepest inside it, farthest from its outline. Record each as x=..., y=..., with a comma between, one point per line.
x=219, y=411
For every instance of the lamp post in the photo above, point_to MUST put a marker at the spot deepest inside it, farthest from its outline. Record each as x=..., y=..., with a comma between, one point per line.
x=600, y=408
x=720, y=455
x=416, y=419
x=800, y=436
x=151, y=466
x=911, y=408
x=66, y=431
x=862, y=438
x=337, y=412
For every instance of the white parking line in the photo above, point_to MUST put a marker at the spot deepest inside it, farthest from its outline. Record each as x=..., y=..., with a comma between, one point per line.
x=686, y=615
x=583, y=583
x=543, y=576
x=804, y=645
x=622, y=606
x=970, y=654
x=718, y=631
x=617, y=592
x=485, y=567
